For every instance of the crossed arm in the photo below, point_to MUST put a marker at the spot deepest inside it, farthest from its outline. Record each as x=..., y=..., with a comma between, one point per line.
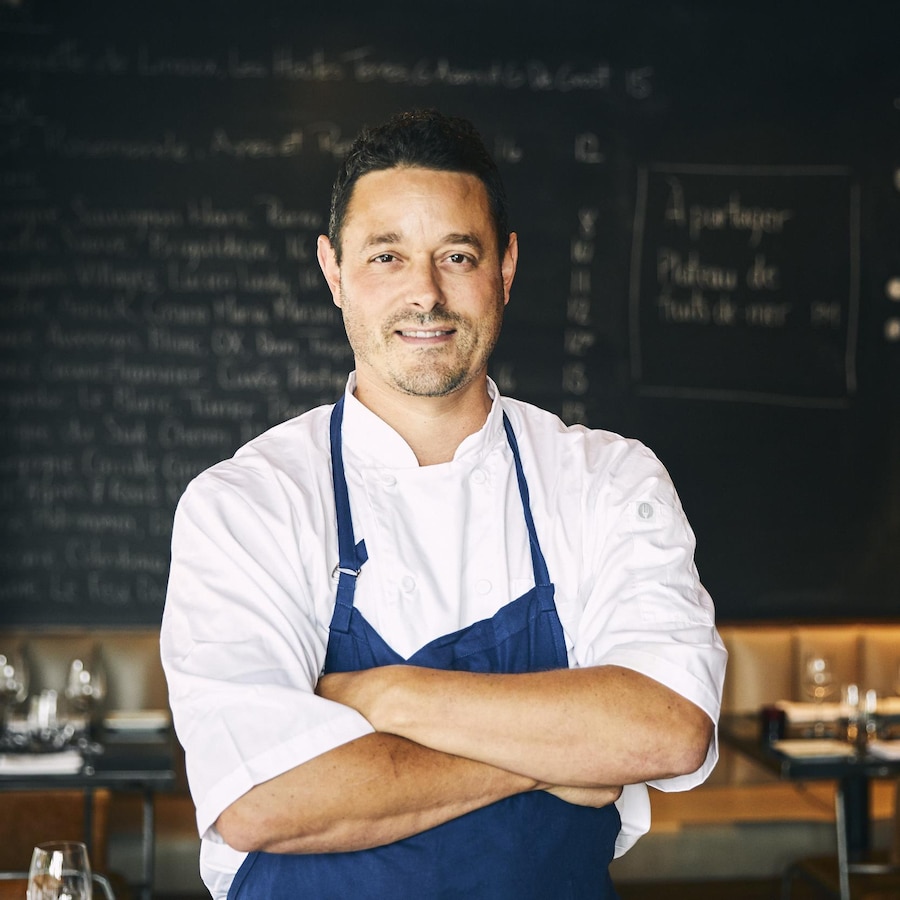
x=447, y=742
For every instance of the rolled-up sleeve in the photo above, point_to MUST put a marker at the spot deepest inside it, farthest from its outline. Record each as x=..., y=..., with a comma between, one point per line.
x=647, y=609
x=241, y=644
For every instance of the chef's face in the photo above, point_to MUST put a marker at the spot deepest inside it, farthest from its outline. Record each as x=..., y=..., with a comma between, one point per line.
x=421, y=284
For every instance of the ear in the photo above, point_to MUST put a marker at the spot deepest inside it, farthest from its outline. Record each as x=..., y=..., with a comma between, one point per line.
x=330, y=268
x=508, y=265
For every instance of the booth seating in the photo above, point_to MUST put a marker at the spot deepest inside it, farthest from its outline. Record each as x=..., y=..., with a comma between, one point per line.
x=135, y=681
x=743, y=822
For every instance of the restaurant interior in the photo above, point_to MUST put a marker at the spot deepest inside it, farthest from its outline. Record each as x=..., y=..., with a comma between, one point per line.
x=708, y=209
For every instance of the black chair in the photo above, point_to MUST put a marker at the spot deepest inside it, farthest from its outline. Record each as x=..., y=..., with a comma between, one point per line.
x=877, y=878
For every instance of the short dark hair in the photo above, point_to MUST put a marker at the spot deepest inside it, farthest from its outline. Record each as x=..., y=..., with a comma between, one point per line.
x=425, y=138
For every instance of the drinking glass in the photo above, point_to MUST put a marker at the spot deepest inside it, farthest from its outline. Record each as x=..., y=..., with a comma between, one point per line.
x=818, y=684
x=850, y=711
x=59, y=871
x=818, y=680
x=13, y=682
x=869, y=706
x=86, y=685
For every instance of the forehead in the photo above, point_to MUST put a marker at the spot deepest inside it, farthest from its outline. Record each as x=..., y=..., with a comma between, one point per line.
x=386, y=198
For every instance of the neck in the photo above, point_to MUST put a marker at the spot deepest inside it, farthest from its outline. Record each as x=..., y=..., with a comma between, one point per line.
x=434, y=427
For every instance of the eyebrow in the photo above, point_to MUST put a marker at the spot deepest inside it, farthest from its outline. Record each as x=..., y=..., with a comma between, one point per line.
x=392, y=237
x=470, y=239
x=377, y=240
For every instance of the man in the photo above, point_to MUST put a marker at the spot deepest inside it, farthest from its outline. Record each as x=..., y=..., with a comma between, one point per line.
x=418, y=642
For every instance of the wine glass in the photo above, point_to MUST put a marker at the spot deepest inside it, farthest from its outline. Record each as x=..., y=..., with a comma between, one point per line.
x=60, y=870
x=818, y=684
x=818, y=681
x=13, y=683
x=86, y=685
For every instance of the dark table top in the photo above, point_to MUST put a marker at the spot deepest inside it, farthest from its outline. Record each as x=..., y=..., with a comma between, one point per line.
x=144, y=759
x=743, y=732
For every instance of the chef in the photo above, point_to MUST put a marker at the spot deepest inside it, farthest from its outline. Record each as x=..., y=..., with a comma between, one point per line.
x=429, y=641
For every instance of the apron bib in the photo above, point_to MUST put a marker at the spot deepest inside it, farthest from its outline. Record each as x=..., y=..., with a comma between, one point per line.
x=532, y=846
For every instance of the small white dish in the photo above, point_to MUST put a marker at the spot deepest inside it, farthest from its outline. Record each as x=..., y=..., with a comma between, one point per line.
x=814, y=747
x=137, y=719
x=885, y=749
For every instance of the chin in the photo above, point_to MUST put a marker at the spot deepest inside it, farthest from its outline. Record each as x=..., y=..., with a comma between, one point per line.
x=431, y=383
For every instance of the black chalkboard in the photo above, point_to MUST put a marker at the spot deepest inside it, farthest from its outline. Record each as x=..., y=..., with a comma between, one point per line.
x=708, y=204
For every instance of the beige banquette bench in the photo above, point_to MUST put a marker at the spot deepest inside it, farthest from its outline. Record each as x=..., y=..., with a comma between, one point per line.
x=766, y=663
x=766, y=660
x=743, y=821
x=135, y=681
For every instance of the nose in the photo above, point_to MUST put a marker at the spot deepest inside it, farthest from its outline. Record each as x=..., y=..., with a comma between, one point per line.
x=424, y=289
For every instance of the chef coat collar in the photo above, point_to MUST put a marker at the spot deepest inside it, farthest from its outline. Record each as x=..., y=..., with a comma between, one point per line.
x=371, y=439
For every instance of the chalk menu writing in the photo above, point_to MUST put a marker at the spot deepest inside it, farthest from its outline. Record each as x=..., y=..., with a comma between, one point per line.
x=161, y=299
x=695, y=233
x=140, y=346
x=745, y=283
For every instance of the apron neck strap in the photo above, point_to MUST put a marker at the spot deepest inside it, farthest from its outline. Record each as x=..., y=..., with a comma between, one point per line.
x=351, y=555
x=541, y=573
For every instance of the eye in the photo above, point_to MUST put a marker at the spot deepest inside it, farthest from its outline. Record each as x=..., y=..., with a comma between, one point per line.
x=384, y=258
x=461, y=259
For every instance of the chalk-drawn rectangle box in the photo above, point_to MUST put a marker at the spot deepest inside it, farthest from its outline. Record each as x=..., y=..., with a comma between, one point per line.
x=745, y=283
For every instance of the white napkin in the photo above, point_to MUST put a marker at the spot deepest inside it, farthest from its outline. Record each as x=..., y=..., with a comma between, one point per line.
x=814, y=748
x=65, y=762
x=137, y=719
x=811, y=712
x=885, y=749
x=831, y=712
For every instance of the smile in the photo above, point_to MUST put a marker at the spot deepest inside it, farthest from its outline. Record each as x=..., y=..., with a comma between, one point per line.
x=425, y=334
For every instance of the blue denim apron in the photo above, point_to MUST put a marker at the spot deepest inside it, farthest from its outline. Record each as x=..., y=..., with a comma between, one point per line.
x=532, y=846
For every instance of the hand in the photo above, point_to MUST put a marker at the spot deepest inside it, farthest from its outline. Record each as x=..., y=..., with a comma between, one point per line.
x=335, y=686
x=359, y=690
x=586, y=796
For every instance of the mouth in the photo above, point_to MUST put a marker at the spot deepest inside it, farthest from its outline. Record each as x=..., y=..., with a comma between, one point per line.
x=424, y=335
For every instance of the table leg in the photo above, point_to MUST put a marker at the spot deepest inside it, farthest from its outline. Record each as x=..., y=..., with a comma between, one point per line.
x=88, y=821
x=149, y=846
x=855, y=790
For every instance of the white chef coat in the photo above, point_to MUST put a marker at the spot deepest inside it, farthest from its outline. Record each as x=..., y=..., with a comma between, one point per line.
x=251, y=588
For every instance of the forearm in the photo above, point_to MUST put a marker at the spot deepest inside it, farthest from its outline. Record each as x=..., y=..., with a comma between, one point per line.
x=584, y=727
x=372, y=791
